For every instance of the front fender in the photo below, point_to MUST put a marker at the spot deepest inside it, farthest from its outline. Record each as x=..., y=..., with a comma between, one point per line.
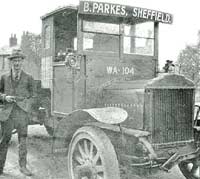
x=78, y=118
x=108, y=115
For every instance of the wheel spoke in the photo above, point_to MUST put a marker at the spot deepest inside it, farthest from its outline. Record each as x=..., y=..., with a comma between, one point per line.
x=91, y=150
x=81, y=151
x=96, y=157
x=86, y=148
x=90, y=155
x=79, y=159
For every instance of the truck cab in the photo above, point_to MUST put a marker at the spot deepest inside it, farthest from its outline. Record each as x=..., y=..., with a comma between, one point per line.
x=116, y=53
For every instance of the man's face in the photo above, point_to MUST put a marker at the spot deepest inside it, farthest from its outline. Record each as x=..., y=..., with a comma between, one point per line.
x=17, y=63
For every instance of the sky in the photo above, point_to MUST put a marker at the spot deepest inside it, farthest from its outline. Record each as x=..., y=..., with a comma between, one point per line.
x=24, y=15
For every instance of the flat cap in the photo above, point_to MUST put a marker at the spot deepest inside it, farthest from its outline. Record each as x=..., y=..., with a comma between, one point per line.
x=16, y=53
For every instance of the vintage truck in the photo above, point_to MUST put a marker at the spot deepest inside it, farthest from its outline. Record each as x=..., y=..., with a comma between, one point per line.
x=104, y=100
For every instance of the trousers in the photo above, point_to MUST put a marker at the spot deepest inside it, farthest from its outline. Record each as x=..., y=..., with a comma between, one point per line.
x=17, y=120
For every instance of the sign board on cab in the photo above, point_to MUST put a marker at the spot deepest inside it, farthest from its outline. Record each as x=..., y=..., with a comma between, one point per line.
x=108, y=9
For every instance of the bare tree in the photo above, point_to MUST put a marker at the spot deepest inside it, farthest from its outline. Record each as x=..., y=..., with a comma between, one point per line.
x=189, y=61
x=31, y=46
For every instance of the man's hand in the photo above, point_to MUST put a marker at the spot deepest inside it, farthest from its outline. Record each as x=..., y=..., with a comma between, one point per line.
x=10, y=99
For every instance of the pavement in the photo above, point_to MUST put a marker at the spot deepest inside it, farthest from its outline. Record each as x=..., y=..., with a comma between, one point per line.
x=45, y=164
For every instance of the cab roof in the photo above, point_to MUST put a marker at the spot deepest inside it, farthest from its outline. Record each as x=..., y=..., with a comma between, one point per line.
x=60, y=9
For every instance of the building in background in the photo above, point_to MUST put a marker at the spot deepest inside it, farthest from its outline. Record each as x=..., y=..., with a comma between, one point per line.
x=5, y=51
x=31, y=47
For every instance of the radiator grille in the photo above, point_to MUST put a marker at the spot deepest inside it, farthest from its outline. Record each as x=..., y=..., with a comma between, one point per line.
x=172, y=115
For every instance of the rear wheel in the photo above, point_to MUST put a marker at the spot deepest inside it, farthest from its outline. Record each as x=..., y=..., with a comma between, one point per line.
x=92, y=156
x=190, y=169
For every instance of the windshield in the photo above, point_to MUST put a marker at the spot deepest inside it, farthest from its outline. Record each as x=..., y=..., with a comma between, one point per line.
x=139, y=38
x=99, y=36
x=102, y=36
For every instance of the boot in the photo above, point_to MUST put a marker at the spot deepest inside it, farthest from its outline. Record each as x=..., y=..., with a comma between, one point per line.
x=1, y=172
x=25, y=171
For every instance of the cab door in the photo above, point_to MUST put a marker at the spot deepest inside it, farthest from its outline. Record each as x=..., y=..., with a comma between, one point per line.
x=65, y=42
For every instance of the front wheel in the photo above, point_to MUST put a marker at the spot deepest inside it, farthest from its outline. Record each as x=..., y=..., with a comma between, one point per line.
x=92, y=156
x=190, y=169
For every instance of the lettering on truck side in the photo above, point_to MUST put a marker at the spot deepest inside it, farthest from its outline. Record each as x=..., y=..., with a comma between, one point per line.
x=89, y=7
x=151, y=14
x=114, y=70
x=104, y=8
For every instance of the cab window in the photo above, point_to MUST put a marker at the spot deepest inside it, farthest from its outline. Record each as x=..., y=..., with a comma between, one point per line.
x=139, y=38
x=65, y=34
x=100, y=36
x=47, y=34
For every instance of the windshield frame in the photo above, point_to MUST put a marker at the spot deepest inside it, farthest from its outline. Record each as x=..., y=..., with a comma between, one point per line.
x=121, y=22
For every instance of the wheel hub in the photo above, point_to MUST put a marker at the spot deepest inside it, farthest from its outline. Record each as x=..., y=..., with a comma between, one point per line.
x=89, y=157
x=85, y=172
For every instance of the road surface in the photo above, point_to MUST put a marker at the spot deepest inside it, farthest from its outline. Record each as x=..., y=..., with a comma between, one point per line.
x=48, y=165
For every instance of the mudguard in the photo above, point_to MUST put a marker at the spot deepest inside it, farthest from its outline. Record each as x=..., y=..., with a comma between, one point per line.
x=109, y=115
x=78, y=118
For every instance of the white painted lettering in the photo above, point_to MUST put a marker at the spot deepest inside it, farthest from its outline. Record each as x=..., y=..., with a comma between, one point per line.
x=135, y=12
x=163, y=18
x=132, y=71
x=168, y=18
x=127, y=71
x=152, y=14
x=118, y=10
x=100, y=8
x=106, y=8
x=123, y=10
x=109, y=69
x=159, y=15
x=149, y=12
x=86, y=7
x=115, y=70
x=112, y=9
x=95, y=7
x=140, y=13
x=145, y=13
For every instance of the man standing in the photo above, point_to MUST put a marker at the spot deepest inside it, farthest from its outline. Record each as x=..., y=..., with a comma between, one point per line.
x=16, y=94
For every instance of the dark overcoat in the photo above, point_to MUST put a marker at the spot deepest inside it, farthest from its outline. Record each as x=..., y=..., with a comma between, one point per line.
x=22, y=89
